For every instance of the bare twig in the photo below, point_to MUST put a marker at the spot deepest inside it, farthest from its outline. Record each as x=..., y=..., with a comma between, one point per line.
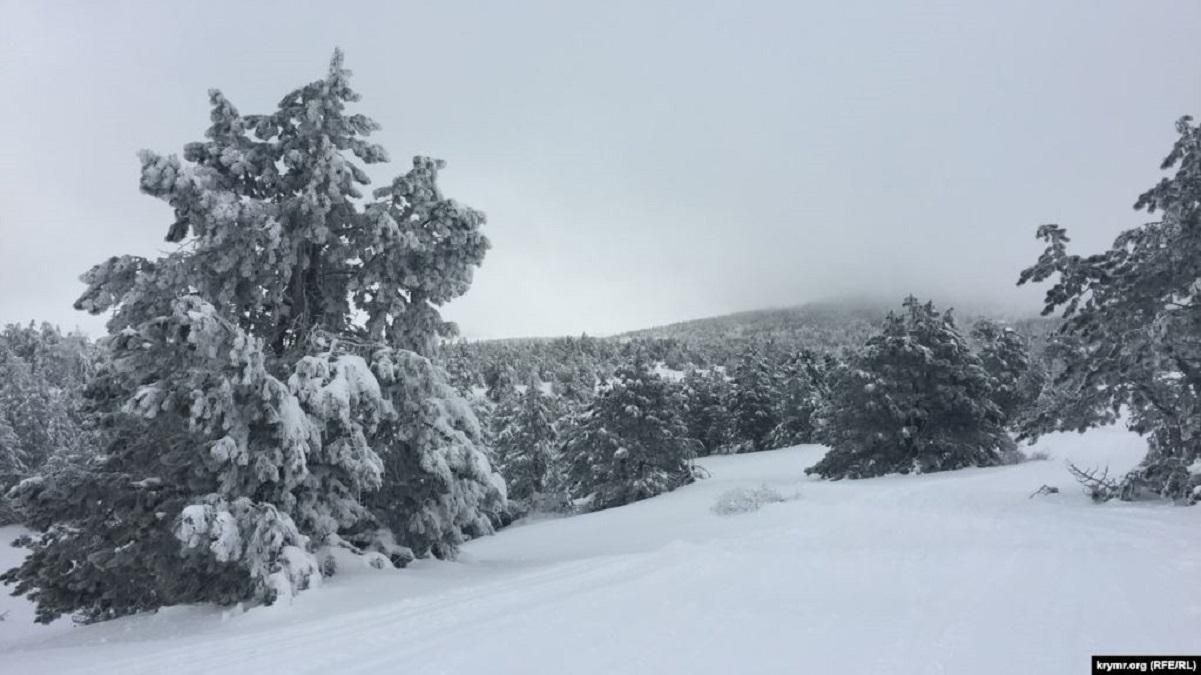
x=1096, y=482
x=1044, y=490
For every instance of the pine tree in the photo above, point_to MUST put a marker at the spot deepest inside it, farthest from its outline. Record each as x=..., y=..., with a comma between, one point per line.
x=917, y=399
x=40, y=393
x=576, y=383
x=803, y=390
x=630, y=443
x=1131, y=327
x=16, y=394
x=1005, y=355
x=706, y=394
x=1056, y=404
x=439, y=488
x=13, y=468
x=501, y=384
x=755, y=401
x=61, y=361
x=463, y=374
x=527, y=451
x=269, y=376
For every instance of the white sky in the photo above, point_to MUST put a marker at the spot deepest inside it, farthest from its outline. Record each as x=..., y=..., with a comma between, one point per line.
x=639, y=162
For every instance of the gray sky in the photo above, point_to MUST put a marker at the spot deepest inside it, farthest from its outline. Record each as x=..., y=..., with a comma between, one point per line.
x=640, y=163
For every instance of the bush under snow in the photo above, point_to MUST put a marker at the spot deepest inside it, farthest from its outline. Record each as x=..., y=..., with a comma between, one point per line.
x=745, y=500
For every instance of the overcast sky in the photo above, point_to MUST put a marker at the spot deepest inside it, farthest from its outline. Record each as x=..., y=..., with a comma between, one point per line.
x=640, y=163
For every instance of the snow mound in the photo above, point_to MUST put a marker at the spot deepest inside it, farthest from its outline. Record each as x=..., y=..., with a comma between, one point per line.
x=745, y=500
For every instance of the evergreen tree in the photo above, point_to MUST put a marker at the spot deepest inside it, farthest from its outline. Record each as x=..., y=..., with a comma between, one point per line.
x=1056, y=404
x=916, y=399
x=269, y=388
x=464, y=375
x=16, y=394
x=802, y=393
x=1131, y=327
x=576, y=383
x=13, y=468
x=527, y=451
x=40, y=393
x=706, y=394
x=501, y=383
x=62, y=361
x=755, y=401
x=630, y=443
x=1005, y=355
x=439, y=488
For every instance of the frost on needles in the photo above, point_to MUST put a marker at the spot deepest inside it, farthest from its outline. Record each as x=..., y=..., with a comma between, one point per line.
x=268, y=390
x=1128, y=345
x=916, y=399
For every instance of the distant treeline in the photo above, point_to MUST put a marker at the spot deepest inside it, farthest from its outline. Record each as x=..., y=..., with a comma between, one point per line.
x=718, y=341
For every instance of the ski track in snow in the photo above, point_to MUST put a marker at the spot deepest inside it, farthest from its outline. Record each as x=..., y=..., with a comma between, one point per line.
x=946, y=573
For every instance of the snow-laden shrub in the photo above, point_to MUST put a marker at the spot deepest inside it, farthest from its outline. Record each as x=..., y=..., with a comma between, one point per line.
x=745, y=500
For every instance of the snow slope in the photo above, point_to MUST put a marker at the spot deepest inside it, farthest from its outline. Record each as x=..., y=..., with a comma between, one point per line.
x=946, y=573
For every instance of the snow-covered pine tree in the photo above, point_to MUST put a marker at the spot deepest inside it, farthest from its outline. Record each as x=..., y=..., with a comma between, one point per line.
x=1005, y=355
x=917, y=399
x=754, y=401
x=706, y=395
x=1056, y=403
x=630, y=442
x=1132, y=328
x=63, y=361
x=41, y=384
x=576, y=384
x=501, y=383
x=269, y=375
x=527, y=451
x=459, y=369
x=439, y=487
x=16, y=394
x=803, y=390
x=12, y=469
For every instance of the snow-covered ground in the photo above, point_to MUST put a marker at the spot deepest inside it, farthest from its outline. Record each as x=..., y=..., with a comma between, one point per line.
x=946, y=573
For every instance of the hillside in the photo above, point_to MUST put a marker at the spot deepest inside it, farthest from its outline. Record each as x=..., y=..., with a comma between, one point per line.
x=948, y=573
x=830, y=327
x=827, y=324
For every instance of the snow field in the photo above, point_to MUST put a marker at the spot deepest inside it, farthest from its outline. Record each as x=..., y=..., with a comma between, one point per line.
x=958, y=572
